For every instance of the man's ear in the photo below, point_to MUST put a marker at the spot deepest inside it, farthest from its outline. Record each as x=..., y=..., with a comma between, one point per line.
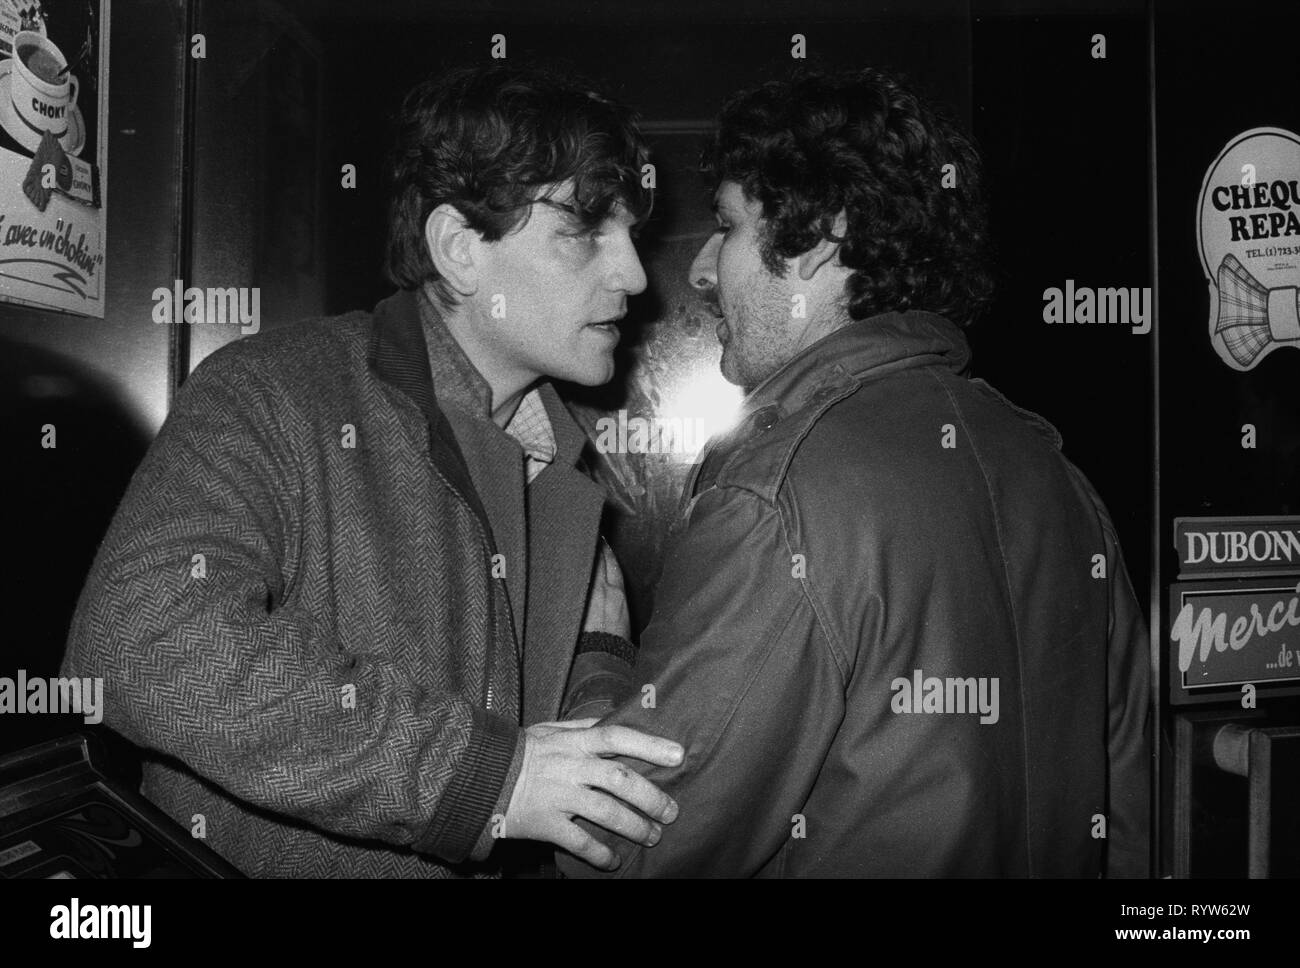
x=824, y=251
x=453, y=247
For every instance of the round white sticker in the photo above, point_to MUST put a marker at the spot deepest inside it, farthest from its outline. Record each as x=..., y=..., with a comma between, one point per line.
x=1248, y=235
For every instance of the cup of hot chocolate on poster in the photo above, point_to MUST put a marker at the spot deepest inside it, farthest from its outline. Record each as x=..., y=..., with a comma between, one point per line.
x=42, y=91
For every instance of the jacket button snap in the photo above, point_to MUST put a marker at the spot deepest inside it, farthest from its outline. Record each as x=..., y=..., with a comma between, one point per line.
x=766, y=418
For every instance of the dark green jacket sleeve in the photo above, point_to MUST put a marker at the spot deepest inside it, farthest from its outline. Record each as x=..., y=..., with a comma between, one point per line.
x=734, y=666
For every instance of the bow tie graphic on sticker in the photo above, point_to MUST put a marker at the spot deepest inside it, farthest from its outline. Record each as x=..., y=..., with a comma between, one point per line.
x=1251, y=317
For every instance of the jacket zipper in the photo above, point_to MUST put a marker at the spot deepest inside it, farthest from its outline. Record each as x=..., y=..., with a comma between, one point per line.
x=488, y=692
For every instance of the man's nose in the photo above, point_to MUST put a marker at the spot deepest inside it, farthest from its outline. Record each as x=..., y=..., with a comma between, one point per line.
x=629, y=274
x=703, y=273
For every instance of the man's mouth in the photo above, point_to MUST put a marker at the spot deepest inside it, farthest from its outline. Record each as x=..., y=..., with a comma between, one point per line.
x=608, y=326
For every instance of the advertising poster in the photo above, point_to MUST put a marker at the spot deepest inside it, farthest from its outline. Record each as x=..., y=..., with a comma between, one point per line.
x=1228, y=632
x=1249, y=237
x=53, y=148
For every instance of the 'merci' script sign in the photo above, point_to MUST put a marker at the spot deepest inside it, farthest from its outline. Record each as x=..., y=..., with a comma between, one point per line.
x=1239, y=623
x=1227, y=637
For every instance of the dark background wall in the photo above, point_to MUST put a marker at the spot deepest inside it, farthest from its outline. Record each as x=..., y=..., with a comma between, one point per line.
x=1065, y=140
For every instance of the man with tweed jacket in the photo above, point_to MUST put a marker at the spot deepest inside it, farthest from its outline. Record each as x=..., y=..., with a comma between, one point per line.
x=338, y=605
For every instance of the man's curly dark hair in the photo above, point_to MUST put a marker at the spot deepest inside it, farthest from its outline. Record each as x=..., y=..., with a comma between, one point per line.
x=862, y=143
x=492, y=140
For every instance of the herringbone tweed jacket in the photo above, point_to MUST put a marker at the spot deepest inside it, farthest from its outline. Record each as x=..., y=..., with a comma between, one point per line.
x=295, y=607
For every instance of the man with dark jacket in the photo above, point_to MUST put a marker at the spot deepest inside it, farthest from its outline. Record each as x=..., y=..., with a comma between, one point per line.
x=339, y=603
x=894, y=631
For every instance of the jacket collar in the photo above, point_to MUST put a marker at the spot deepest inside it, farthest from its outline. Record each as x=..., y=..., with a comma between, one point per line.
x=398, y=352
x=813, y=381
x=402, y=347
x=399, y=356
x=862, y=351
x=458, y=383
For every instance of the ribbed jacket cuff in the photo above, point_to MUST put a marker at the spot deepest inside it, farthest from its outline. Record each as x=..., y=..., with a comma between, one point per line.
x=614, y=645
x=471, y=796
x=491, y=833
x=598, y=682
